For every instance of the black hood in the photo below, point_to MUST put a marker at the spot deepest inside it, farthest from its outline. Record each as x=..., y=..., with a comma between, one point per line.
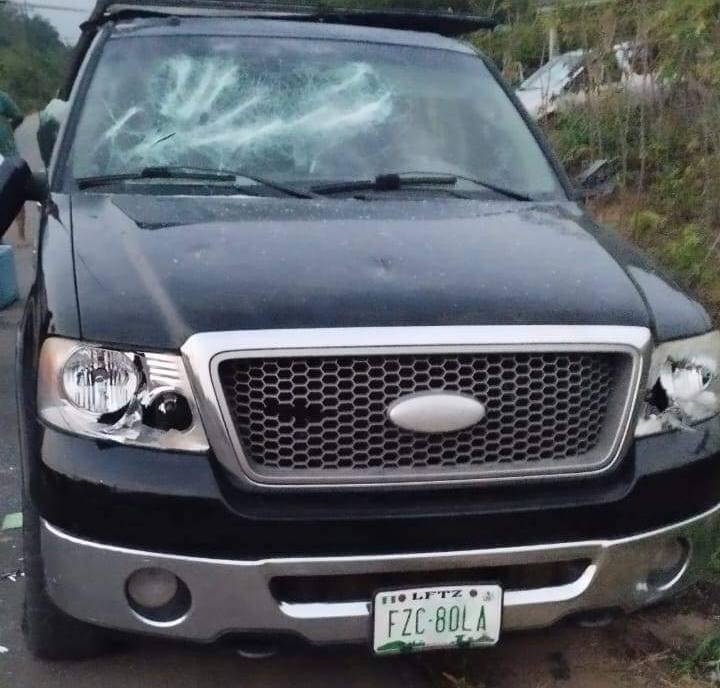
x=151, y=271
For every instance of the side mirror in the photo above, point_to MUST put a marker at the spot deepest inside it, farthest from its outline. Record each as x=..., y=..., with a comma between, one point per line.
x=51, y=119
x=596, y=181
x=18, y=185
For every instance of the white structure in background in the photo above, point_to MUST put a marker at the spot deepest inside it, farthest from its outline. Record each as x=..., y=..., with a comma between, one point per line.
x=564, y=80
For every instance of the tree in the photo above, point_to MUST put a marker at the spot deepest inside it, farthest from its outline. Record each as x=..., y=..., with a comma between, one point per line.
x=33, y=58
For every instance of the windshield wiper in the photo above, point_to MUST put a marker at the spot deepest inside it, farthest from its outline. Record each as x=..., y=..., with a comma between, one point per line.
x=191, y=174
x=397, y=181
x=386, y=182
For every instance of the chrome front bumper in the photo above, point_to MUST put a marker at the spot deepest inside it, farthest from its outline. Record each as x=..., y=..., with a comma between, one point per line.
x=88, y=581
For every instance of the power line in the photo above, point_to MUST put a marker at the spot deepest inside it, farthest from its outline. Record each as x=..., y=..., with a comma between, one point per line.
x=41, y=6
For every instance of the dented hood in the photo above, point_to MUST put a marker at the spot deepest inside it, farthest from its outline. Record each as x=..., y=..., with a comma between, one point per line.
x=152, y=271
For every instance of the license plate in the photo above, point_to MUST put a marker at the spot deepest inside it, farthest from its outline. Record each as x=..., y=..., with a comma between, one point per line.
x=437, y=618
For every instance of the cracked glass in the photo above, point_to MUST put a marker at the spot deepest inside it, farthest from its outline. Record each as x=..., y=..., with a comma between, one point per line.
x=303, y=111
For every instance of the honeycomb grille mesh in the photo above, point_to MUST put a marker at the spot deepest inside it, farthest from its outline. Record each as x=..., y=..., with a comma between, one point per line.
x=303, y=415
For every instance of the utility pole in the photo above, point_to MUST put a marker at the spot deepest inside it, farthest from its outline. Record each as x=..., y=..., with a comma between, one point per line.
x=549, y=7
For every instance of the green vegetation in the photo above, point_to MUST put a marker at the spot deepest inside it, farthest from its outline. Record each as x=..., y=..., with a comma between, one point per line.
x=703, y=662
x=33, y=59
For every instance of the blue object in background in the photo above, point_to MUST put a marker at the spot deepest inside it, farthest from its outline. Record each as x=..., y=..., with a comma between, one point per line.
x=8, y=276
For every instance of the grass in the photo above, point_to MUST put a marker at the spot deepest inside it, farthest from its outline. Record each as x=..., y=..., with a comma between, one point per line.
x=703, y=662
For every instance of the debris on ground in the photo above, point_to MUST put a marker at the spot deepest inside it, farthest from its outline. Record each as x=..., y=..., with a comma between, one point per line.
x=12, y=522
x=12, y=576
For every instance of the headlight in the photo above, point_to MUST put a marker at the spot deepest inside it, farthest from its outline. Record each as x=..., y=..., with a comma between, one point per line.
x=684, y=385
x=136, y=398
x=100, y=381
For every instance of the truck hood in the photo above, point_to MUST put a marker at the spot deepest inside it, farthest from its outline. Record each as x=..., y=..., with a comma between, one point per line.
x=152, y=271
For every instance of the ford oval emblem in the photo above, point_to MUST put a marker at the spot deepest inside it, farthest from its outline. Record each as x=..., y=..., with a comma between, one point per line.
x=436, y=412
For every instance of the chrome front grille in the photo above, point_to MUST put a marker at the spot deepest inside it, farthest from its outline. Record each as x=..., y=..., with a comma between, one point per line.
x=325, y=416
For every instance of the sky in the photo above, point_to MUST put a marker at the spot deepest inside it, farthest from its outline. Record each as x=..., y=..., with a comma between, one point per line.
x=66, y=20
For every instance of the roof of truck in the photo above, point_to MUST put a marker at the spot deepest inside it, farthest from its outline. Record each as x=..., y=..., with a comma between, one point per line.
x=291, y=29
x=304, y=18
x=309, y=11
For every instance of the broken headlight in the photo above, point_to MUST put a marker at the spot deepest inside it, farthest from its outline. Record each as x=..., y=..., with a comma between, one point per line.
x=142, y=399
x=684, y=385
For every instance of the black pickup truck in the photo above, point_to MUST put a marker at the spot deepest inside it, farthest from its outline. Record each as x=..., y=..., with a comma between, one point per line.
x=323, y=347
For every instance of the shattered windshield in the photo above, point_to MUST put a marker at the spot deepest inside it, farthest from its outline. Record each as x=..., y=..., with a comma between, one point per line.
x=302, y=111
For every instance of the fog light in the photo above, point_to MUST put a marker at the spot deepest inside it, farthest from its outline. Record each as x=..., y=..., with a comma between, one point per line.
x=152, y=588
x=667, y=564
x=169, y=411
x=158, y=595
